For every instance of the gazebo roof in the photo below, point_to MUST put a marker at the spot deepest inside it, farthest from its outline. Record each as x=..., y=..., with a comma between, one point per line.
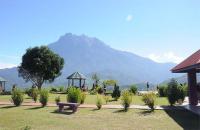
x=76, y=75
x=2, y=79
x=191, y=63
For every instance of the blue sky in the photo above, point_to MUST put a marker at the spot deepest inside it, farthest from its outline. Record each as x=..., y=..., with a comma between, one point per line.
x=163, y=30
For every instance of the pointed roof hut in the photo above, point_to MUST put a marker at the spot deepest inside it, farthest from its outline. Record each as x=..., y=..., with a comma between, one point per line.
x=77, y=76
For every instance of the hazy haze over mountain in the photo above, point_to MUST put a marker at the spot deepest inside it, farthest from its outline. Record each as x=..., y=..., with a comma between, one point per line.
x=89, y=55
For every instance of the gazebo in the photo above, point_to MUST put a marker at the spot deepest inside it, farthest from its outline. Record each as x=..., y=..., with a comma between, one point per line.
x=2, y=84
x=191, y=66
x=77, y=76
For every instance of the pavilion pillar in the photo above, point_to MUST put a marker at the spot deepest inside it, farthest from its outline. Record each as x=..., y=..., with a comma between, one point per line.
x=192, y=86
x=68, y=82
x=72, y=82
x=80, y=84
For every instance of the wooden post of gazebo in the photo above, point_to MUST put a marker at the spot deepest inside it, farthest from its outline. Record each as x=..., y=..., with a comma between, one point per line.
x=191, y=66
x=76, y=76
x=192, y=83
x=2, y=84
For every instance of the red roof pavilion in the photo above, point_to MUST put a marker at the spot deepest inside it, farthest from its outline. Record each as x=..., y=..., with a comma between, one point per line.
x=192, y=62
x=191, y=66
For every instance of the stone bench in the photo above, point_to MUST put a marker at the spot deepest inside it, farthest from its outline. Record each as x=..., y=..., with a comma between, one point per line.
x=72, y=106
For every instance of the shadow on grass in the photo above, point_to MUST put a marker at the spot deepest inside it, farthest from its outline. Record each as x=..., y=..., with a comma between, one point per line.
x=7, y=107
x=64, y=112
x=146, y=112
x=95, y=109
x=186, y=119
x=112, y=100
x=34, y=108
x=119, y=111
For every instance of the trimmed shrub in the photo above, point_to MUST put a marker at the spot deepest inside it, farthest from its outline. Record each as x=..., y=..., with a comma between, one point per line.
x=44, y=97
x=149, y=100
x=61, y=89
x=17, y=97
x=106, y=98
x=116, y=93
x=34, y=94
x=181, y=94
x=172, y=91
x=92, y=92
x=83, y=96
x=5, y=93
x=99, y=102
x=57, y=99
x=126, y=99
x=162, y=91
x=53, y=90
x=28, y=91
x=74, y=95
x=133, y=89
x=99, y=90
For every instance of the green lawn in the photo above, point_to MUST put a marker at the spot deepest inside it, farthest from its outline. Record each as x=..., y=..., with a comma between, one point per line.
x=16, y=118
x=90, y=99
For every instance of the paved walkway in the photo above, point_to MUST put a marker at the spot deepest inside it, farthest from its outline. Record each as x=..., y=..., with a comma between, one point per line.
x=94, y=106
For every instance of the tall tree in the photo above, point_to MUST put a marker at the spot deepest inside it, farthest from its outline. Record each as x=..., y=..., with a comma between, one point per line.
x=39, y=65
x=96, y=79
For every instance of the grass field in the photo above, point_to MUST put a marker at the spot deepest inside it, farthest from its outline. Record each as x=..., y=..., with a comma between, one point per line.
x=90, y=99
x=17, y=118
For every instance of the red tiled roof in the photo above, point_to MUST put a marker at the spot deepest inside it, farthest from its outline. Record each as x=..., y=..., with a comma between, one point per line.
x=193, y=60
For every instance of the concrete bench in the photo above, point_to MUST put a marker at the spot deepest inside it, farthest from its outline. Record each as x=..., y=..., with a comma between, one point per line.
x=72, y=106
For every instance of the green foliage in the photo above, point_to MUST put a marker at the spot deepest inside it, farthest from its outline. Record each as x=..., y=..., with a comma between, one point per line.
x=39, y=65
x=149, y=99
x=106, y=98
x=96, y=79
x=34, y=94
x=116, y=93
x=181, y=93
x=133, y=89
x=28, y=91
x=44, y=97
x=126, y=99
x=74, y=95
x=57, y=99
x=176, y=92
x=83, y=96
x=99, y=101
x=162, y=90
x=52, y=90
x=26, y=128
x=61, y=89
x=99, y=90
x=93, y=92
x=5, y=93
x=172, y=91
x=17, y=96
x=110, y=82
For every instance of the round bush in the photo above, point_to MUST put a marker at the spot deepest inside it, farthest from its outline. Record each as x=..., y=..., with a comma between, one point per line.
x=99, y=102
x=149, y=99
x=83, y=96
x=126, y=98
x=74, y=95
x=17, y=97
x=44, y=96
x=133, y=89
x=34, y=94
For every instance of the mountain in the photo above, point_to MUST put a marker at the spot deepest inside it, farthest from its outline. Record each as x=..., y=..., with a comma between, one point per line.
x=182, y=79
x=90, y=55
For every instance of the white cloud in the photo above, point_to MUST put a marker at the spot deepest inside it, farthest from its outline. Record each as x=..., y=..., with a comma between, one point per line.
x=165, y=57
x=129, y=18
x=6, y=65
